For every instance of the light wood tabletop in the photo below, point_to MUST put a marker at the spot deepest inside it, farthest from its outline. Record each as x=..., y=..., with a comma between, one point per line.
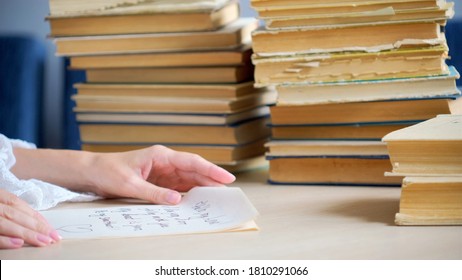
x=296, y=222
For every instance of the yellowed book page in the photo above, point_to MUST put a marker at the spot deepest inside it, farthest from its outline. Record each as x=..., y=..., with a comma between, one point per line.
x=441, y=128
x=324, y=147
x=114, y=7
x=226, y=38
x=375, y=16
x=285, y=4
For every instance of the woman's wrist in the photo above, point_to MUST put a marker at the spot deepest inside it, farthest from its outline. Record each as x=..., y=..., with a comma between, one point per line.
x=84, y=173
x=70, y=169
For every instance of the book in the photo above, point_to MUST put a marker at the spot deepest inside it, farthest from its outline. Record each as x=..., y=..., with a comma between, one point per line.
x=429, y=148
x=268, y=4
x=364, y=131
x=283, y=8
x=297, y=3
x=169, y=90
x=200, y=75
x=229, y=37
x=232, y=57
x=219, y=154
x=240, y=133
x=316, y=147
x=143, y=21
x=172, y=118
x=313, y=166
x=202, y=210
x=110, y=7
x=430, y=201
x=144, y=104
x=383, y=15
x=368, y=90
x=374, y=37
x=366, y=112
x=350, y=66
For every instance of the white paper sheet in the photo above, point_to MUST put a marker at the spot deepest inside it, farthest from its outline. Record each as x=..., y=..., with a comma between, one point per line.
x=203, y=209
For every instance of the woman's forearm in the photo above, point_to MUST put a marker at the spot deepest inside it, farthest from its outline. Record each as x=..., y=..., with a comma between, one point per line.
x=156, y=173
x=64, y=168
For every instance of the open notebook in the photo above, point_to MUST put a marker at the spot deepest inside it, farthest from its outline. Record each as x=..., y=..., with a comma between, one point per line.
x=202, y=210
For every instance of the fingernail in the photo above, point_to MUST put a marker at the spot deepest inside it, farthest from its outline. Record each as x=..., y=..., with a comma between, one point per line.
x=232, y=177
x=55, y=236
x=44, y=239
x=173, y=197
x=17, y=242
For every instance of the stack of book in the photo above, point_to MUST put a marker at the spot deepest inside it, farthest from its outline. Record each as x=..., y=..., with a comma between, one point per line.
x=176, y=73
x=347, y=73
x=429, y=155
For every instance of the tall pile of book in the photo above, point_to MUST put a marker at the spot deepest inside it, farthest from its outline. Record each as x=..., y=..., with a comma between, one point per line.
x=347, y=73
x=429, y=155
x=176, y=73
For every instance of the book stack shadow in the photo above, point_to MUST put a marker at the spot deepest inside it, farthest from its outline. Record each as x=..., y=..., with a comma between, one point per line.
x=347, y=73
x=177, y=74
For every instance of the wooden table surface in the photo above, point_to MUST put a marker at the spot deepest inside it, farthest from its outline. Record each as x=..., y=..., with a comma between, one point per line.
x=296, y=222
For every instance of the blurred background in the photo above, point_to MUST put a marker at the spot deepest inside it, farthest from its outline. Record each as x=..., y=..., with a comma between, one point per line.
x=26, y=18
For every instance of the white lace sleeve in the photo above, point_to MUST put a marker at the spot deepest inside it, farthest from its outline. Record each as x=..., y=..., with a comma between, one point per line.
x=40, y=195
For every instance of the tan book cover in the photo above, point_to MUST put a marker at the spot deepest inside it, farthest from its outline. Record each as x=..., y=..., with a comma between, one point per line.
x=324, y=147
x=142, y=22
x=349, y=166
x=215, y=153
x=427, y=201
x=335, y=132
x=219, y=91
x=89, y=103
x=241, y=133
x=232, y=57
x=172, y=118
x=384, y=15
x=400, y=110
x=374, y=37
x=229, y=37
x=369, y=90
x=283, y=8
x=430, y=148
x=113, y=7
x=169, y=75
x=350, y=66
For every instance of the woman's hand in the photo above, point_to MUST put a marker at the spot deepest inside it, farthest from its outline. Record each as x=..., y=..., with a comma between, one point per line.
x=154, y=174
x=20, y=224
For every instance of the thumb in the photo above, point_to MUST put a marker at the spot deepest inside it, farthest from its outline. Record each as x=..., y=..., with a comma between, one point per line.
x=153, y=193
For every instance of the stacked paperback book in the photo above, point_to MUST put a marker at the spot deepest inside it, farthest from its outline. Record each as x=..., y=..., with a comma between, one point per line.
x=176, y=73
x=429, y=155
x=347, y=73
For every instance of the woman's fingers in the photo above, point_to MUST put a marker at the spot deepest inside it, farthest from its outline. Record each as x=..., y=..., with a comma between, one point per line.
x=139, y=188
x=19, y=222
x=11, y=229
x=7, y=242
x=19, y=204
x=194, y=163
